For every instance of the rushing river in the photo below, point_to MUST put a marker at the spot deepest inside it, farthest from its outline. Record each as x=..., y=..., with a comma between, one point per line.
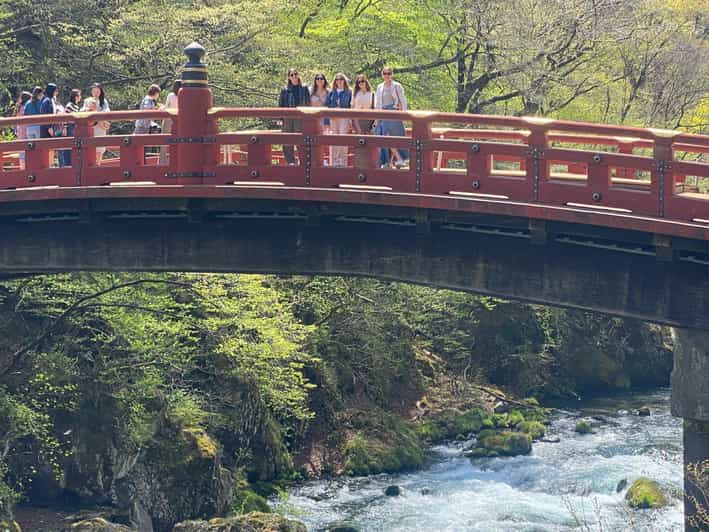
x=570, y=485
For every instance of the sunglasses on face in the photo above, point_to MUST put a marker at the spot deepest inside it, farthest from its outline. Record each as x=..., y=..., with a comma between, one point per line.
x=293, y=75
x=319, y=79
x=386, y=73
x=361, y=81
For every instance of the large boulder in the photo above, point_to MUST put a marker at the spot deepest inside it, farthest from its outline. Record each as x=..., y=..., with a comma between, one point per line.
x=496, y=443
x=253, y=522
x=645, y=493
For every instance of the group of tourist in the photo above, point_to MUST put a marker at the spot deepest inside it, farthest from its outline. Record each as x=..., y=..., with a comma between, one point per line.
x=47, y=101
x=389, y=94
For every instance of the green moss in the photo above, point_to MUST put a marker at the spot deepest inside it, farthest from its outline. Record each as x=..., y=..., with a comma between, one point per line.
x=9, y=526
x=204, y=446
x=488, y=423
x=645, y=493
x=246, y=501
x=396, y=449
x=534, y=428
x=514, y=418
x=583, y=427
x=505, y=443
x=451, y=424
x=252, y=522
x=502, y=421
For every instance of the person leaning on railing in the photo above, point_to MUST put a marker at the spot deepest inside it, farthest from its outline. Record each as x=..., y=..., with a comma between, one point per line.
x=294, y=94
x=390, y=95
x=99, y=103
x=340, y=97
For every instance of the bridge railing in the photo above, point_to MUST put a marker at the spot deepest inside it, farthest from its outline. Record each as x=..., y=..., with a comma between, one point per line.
x=603, y=168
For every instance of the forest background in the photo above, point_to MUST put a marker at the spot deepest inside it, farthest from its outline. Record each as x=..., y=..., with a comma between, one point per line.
x=178, y=395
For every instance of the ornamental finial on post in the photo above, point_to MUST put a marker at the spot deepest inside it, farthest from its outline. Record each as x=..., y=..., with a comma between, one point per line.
x=194, y=73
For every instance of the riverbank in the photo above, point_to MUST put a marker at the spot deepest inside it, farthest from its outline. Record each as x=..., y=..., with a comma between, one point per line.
x=560, y=486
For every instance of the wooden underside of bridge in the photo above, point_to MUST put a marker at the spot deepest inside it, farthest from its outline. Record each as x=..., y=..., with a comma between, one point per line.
x=614, y=271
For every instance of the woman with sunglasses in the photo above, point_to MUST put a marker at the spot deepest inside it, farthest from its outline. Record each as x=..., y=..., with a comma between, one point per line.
x=390, y=95
x=340, y=97
x=318, y=95
x=294, y=94
x=363, y=98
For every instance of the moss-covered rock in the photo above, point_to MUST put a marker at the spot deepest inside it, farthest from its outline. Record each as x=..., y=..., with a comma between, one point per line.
x=342, y=526
x=253, y=522
x=246, y=501
x=97, y=524
x=583, y=427
x=504, y=443
x=451, y=424
x=534, y=428
x=645, y=493
x=368, y=455
x=9, y=526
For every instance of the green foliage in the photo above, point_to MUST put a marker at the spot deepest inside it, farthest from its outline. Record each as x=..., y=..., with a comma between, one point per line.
x=246, y=501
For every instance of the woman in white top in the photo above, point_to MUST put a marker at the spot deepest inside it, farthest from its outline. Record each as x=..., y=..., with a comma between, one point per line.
x=390, y=95
x=170, y=103
x=101, y=127
x=318, y=96
x=363, y=98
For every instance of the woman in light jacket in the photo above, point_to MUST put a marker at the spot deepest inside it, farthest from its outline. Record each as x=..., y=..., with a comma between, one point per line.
x=340, y=97
x=390, y=95
x=101, y=127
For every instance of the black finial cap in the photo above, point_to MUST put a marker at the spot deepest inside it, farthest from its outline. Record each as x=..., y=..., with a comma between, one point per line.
x=194, y=73
x=195, y=52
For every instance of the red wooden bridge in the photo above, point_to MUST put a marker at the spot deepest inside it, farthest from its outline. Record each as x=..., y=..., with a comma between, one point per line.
x=648, y=180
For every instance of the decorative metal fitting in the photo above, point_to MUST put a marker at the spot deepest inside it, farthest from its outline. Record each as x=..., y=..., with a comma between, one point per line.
x=30, y=145
x=475, y=148
x=476, y=184
x=253, y=139
x=596, y=196
x=127, y=173
x=597, y=158
x=31, y=178
x=126, y=141
x=361, y=141
x=361, y=178
x=254, y=173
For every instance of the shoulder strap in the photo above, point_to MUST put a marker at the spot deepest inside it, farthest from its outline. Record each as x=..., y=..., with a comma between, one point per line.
x=372, y=107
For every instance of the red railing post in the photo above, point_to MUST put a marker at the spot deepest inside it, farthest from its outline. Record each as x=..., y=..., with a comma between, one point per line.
x=310, y=153
x=36, y=159
x=421, y=158
x=196, y=148
x=537, y=166
x=662, y=178
x=82, y=157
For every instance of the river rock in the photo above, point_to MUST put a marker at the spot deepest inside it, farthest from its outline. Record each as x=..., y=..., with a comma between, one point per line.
x=551, y=439
x=583, y=427
x=253, y=522
x=502, y=407
x=426, y=491
x=392, y=491
x=645, y=493
x=9, y=526
x=504, y=443
x=97, y=524
x=644, y=411
x=622, y=484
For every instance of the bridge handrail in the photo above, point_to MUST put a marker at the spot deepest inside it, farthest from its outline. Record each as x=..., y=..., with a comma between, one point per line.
x=521, y=160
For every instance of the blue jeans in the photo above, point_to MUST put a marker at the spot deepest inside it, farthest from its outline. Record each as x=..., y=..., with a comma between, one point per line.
x=390, y=128
x=65, y=155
